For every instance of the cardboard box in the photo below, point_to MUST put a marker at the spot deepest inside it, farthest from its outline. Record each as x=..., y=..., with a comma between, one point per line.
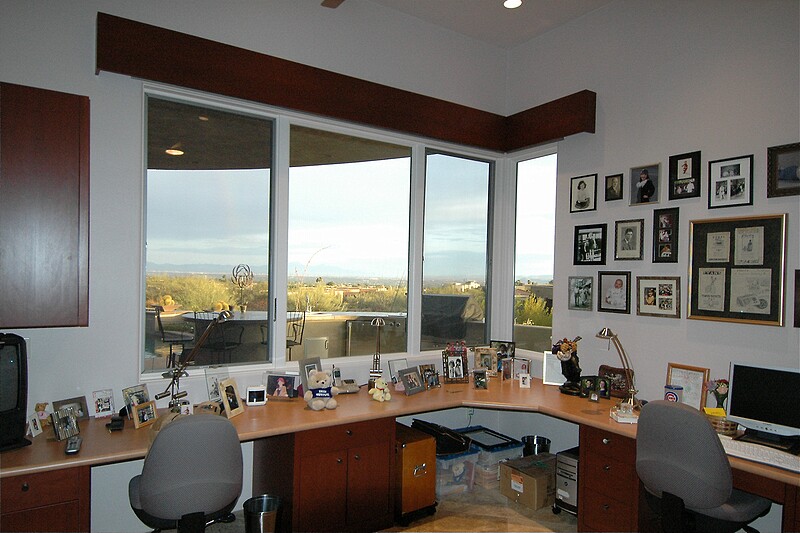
x=530, y=481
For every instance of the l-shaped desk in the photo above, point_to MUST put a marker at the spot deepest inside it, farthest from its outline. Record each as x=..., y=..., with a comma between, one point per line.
x=40, y=485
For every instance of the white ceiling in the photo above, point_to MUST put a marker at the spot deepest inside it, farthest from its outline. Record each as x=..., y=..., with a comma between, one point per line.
x=490, y=22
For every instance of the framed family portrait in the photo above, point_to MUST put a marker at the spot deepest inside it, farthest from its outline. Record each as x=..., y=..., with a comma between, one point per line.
x=583, y=193
x=614, y=187
x=658, y=296
x=504, y=348
x=590, y=245
x=736, y=269
x=454, y=366
x=628, y=239
x=665, y=235
x=615, y=292
x=412, y=380
x=684, y=176
x=730, y=182
x=231, y=400
x=692, y=379
x=644, y=184
x=429, y=375
x=580, y=293
x=783, y=170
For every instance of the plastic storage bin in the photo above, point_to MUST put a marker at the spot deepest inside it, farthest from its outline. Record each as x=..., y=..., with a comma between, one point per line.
x=455, y=473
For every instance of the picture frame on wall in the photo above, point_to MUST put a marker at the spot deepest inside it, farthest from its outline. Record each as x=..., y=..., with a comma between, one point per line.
x=614, y=187
x=583, y=193
x=684, y=176
x=644, y=185
x=590, y=245
x=666, y=225
x=692, y=379
x=730, y=182
x=658, y=296
x=615, y=292
x=580, y=297
x=783, y=170
x=629, y=239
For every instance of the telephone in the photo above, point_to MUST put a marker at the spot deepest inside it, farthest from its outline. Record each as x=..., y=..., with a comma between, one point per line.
x=345, y=386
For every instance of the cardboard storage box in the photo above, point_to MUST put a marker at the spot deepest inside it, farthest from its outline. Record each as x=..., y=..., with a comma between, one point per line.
x=530, y=480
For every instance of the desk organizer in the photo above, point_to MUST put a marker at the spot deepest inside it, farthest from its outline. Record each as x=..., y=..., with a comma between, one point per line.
x=722, y=425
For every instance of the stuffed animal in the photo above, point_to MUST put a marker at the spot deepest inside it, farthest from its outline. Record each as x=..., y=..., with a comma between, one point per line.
x=41, y=412
x=321, y=392
x=380, y=392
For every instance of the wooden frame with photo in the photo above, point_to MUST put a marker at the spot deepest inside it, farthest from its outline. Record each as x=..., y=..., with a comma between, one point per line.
x=281, y=386
x=666, y=227
x=134, y=395
x=614, y=295
x=639, y=193
x=144, y=414
x=618, y=379
x=614, y=187
x=693, y=380
x=684, y=176
x=580, y=289
x=783, y=170
x=629, y=240
x=232, y=401
x=736, y=269
x=395, y=365
x=486, y=358
x=305, y=366
x=454, y=367
x=658, y=296
x=590, y=245
x=412, y=380
x=583, y=193
x=730, y=182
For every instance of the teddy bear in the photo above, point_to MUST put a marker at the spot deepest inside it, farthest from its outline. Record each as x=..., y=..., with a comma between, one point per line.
x=321, y=392
x=41, y=412
x=380, y=392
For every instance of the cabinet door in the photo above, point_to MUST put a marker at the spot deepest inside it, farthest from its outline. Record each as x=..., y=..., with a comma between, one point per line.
x=369, y=502
x=322, y=501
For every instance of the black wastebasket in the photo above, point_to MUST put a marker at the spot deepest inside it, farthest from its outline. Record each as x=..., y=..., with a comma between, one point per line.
x=535, y=444
x=261, y=514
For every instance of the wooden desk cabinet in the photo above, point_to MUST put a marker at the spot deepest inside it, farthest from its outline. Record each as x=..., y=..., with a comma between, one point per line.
x=49, y=501
x=415, y=467
x=330, y=479
x=608, y=487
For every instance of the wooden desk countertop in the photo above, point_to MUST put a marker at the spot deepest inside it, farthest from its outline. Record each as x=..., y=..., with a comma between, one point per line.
x=279, y=417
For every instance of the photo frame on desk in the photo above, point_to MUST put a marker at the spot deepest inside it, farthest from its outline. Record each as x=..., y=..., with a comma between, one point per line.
x=692, y=379
x=454, y=367
x=412, y=380
x=307, y=365
x=395, y=366
x=77, y=404
x=551, y=369
x=144, y=414
x=134, y=395
x=231, y=400
x=281, y=386
x=215, y=375
x=486, y=358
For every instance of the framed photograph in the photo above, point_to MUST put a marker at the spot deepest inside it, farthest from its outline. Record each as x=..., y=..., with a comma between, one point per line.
x=692, y=379
x=412, y=380
x=619, y=381
x=506, y=368
x=34, y=425
x=505, y=349
x=231, y=401
x=480, y=377
x=307, y=365
x=77, y=404
x=281, y=386
x=522, y=365
x=144, y=414
x=455, y=367
x=214, y=375
x=65, y=423
x=783, y=170
x=590, y=245
x=736, y=269
x=658, y=296
x=644, y=184
x=588, y=385
x=730, y=182
x=395, y=365
x=583, y=193
x=665, y=235
x=134, y=396
x=103, y=402
x=629, y=239
x=603, y=387
x=580, y=293
x=524, y=381
x=614, y=187
x=684, y=176
x=551, y=369
x=486, y=358
x=615, y=292
x=429, y=375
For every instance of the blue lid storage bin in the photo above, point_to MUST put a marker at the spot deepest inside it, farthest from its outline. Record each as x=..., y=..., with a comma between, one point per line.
x=455, y=473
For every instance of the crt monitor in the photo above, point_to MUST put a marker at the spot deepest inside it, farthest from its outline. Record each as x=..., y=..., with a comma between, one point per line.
x=13, y=392
x=764, y=399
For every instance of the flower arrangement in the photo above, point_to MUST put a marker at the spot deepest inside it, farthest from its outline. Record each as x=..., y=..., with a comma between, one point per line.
x=719, y=388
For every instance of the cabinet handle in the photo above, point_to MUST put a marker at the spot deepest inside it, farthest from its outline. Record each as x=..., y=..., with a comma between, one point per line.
x=605, y=507
x=349, y=433
x=606, y=467
x=339, y=460
x=421, y=470
x=606, y=440
x=357, y=457
x=25, y=487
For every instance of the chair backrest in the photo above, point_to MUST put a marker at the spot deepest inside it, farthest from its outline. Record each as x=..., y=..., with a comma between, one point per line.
x=194, y=465
x=297, y=327
x=159, y=309
x=678, y=451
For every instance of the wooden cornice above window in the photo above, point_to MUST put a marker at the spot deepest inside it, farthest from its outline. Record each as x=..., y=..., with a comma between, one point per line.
x=158, y=54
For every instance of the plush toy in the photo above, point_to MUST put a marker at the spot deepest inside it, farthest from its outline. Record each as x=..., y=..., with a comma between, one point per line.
x=41, y=412
x=321, y=392
x=380, y=392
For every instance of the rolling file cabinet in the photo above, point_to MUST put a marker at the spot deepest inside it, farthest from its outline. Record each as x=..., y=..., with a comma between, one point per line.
x=415, y=463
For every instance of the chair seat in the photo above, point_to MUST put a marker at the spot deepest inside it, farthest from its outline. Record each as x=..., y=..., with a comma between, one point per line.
x=740, y=507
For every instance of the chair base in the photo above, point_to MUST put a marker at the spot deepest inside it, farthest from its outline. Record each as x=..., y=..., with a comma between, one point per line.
x=673, y=517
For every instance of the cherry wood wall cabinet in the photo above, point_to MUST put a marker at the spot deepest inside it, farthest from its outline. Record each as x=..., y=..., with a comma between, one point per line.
x=44, y=208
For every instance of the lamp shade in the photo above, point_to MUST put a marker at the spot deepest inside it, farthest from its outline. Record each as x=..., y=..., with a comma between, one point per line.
x=605, y=333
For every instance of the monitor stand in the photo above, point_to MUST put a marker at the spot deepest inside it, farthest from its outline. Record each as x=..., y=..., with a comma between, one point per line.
x=785, y=444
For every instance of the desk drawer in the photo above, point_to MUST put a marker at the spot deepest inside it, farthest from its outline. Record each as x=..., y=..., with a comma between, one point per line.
x=345, y=436
x=36, y=490
x=608, y=444
x=607, y=475
x=602, y=513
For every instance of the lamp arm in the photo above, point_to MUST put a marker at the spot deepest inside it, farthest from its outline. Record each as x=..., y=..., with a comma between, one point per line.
x=625, y=361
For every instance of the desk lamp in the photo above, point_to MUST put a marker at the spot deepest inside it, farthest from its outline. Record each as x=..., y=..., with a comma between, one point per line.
x=627, y=410
x=173, y=389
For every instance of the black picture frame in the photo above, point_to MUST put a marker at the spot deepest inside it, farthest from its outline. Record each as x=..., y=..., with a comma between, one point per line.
x=666, y=228
x=614, y=291
x=730, y=182
x=412, y=380
x=581, y=293
x=614, y=184
x=590, y=244
x=629, y=240
x=654, y=173
x=736, y=269
x=685, y=176
x=783, y=170
x=583, y=193
x=796, y=299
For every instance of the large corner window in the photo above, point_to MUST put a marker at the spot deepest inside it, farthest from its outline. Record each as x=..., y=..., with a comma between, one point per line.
x=348, y=247
x=207, y=233
x=534, y=253
x=455, y=250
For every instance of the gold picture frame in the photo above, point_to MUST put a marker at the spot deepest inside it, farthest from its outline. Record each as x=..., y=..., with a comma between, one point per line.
x=692, y=379
x=144, y=414
x=231, y=400
x=486, y=358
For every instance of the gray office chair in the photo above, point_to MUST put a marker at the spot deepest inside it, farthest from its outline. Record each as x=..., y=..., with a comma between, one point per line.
x=192, y=475
x=686, y=473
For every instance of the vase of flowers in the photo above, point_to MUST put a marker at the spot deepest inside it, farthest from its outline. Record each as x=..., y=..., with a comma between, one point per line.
x=719, y=388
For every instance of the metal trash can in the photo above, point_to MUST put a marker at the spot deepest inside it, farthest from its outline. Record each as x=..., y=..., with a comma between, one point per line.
x=261, y=514
x=535, y=444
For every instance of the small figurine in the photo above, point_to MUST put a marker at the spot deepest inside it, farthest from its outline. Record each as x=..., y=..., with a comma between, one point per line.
x=380, y=392
x=567, y=352
x=42, y=414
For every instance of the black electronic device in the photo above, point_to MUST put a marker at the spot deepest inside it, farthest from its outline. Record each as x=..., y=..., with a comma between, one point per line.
x=13, y=392
x=117, y=423
x=73, y=445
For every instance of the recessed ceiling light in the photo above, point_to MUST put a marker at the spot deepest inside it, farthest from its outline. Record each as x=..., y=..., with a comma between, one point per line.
x=512, y=4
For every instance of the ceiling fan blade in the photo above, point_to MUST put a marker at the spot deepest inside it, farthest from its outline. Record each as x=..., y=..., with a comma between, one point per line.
x=333, y=4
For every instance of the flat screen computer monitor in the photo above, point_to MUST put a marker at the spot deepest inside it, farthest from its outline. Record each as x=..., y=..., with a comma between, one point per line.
x=13, y=391
x=765, y=399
